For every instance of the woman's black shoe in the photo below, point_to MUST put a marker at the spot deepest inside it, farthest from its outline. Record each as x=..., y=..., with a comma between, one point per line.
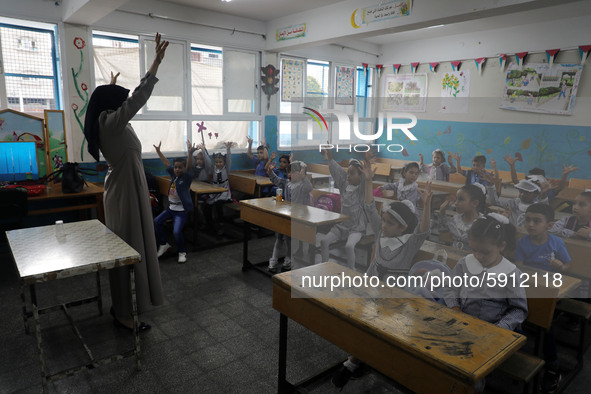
x=142, y=327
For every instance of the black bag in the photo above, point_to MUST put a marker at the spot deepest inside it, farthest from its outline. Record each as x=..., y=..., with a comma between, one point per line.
x=71, y=177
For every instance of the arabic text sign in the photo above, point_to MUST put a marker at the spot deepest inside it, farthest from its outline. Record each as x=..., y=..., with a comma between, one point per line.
x=381, y=12
x=287, y=33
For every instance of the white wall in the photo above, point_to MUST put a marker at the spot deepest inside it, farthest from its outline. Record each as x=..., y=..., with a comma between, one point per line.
x=486, y=89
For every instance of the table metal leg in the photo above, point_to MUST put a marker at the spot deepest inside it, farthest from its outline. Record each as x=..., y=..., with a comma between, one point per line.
x=44, y=379
x=246, y=235
x=135, y=317
x=25, y=314
x=99, y=293
x=195, y=222
x=283, y=385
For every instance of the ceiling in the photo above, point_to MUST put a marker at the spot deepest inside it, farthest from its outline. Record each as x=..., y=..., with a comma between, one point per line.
x=261, y=10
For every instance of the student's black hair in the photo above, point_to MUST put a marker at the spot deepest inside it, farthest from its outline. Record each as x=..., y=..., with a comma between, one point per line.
x=479, y=159
x=261, y=147
x=543, y=209
x=490, y=229
x=180, y=160
x=408, y=166
x=537, y=171
x=219, y=155
x=406, y=214
x=286, y=157
x=475, y=193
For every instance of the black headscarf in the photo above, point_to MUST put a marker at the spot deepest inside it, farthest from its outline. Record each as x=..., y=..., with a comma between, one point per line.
x=103, y=98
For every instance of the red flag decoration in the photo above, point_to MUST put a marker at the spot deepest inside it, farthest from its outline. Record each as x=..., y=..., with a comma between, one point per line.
x=502, y=61
x=551, y=55
x=413, y=67
x=479, y=63
x=520, y=57
x=456, y=65
x=365, y=65
x=379, y=69
x=396, y=68
x=433, y=66
x=584, y=52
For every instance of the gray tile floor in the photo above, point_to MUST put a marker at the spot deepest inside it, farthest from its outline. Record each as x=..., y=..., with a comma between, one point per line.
x=216, y=333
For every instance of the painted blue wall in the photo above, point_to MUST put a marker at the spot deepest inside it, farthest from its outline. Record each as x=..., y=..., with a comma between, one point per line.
x=538, y=145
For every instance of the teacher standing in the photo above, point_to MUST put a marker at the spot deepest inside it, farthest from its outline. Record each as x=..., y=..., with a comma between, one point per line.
x=126, y=199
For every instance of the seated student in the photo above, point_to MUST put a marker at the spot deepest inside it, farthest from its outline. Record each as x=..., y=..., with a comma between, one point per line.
x=504, y=306
x=579, y=224
x=296, y=189
x=259, y=163
x=438, y=170
x=406, y=188
x=281, y=171
x=397, y=240
x=542, y=250
x=473, y=175
x=203, y=167
x=220, y=178
x=528, y=192
x=470, y=202
x=352, y=189
x=179, y=201
x=539, y=175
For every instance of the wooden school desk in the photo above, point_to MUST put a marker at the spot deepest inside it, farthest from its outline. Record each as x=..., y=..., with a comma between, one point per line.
x=317, y=178
x=90, y=197
x=41, y=256
x=298, y=221
x=199, y=188
x=421, y=344
x=259, y=181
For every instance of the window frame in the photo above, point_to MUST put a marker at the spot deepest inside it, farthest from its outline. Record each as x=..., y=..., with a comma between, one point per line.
x=55, y=78
x=186, y=114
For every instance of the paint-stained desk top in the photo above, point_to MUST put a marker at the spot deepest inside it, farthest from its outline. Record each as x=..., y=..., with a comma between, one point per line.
x=404, y=338
x=88, y=246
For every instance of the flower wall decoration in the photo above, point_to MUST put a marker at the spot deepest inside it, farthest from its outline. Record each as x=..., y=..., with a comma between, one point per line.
x=82, y=90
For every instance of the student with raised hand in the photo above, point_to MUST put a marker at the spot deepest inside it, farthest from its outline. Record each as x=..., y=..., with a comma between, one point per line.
x=470, y=202
x=221, y=172
x=398, y=235
x=473, y=175
x=406, y=188
x=128, y=212
x=259, y=162
x=351, y=186
x=296, y=188
x=438, y=171
x=203, y=167
x=397, y=239
x=179, y=201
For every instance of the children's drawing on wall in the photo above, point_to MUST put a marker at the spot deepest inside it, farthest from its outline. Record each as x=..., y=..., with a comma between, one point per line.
x=539, y=87
x=345, y=86
x=405, y=92
x=455, y=90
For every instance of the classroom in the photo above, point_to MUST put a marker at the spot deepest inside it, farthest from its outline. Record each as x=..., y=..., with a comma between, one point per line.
x=259, y=196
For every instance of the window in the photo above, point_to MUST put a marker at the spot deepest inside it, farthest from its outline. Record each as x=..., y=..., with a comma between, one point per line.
x=300, y=127
x=31, y=80
x=198, y=83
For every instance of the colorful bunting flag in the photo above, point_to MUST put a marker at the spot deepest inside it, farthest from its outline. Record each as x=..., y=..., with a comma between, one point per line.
x=365, y=66
x=502, y=61
x=413, y=67
x=551, y=55
x=433, y=66
x=379, y=70
x=584, y=52
x=520, y=58
x=396, y=68
x=479, y=63
x=456, y=65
